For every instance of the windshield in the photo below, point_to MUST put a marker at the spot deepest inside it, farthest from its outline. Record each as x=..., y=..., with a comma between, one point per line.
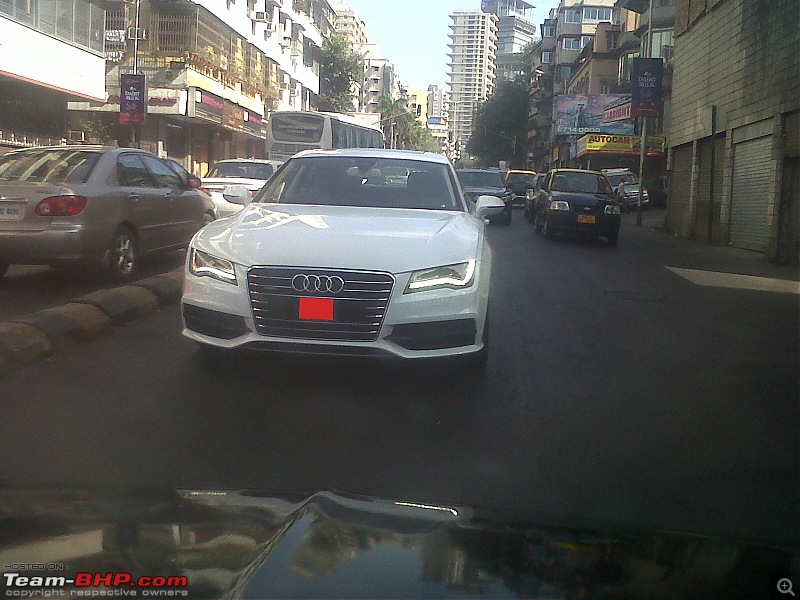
x=244, y=170
x=364, y=182
x=48, y=166
x=480, y=179
x=574, y=181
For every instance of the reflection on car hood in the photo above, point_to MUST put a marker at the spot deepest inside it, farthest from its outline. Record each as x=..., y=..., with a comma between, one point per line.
x=379, y=239
x=244, y=544
x=491, y=191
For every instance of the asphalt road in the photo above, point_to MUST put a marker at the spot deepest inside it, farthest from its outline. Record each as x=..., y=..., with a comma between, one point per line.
x=617, y=394
x=29, y=288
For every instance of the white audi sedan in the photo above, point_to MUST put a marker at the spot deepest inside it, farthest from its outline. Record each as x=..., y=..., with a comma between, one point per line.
x=334, y=256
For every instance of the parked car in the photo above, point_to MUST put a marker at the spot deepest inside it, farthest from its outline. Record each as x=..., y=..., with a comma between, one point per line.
x=329, y=258
x=658, y=188
x=577, y=202
x=251, y=173
x=618, y=176
x=628, y=196
x=480, y=182
x=520, y=184
x=530, y=200
x=94, y=204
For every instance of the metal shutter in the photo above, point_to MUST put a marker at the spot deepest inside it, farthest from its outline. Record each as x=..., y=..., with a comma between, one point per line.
x=750, y=193
x=680, y=179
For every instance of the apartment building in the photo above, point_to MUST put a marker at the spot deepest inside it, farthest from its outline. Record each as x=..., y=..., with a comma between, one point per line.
x=47, y=58
x=472, y=62
x=214, y=71
x=438, y=101
x=514, y=32
x=379, y=81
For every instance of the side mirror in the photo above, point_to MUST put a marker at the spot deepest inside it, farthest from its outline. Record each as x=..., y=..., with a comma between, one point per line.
x=487, y=206
x=237, y=194
x=193, y=183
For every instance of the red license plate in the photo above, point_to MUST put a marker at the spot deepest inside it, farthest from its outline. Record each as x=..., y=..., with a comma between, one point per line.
x=316, y=309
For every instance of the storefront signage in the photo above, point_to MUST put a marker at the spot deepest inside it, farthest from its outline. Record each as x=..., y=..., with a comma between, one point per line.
x=132, y=105
x=208, y=106
x=617, y=112
x=152, y=101
x=577, y=114
x=253, y=123
x=232, y=116
x=646, y=87
x=619, y=143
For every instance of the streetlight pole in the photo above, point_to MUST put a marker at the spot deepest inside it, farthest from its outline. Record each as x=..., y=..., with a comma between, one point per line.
x=643, y=149
x=134, y=143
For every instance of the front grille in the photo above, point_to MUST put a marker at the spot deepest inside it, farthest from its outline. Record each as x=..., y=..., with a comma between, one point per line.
x=358, y=310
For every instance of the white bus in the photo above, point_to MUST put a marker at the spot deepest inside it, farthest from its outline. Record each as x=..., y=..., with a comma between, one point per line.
x=290, y=132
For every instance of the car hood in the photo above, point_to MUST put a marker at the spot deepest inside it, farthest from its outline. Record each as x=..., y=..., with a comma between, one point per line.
x=631, y=188
x=377, y=239
x=248, y=544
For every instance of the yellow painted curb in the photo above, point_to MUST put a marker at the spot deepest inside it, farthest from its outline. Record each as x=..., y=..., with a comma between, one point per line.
x=22, y=343
x=145, y=300
x=92, y=320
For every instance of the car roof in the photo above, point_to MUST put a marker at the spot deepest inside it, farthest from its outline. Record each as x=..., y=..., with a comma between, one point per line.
x=378, y=153
x=258, y=161
x=576, y=171
x=521, y=171
x=477, y=171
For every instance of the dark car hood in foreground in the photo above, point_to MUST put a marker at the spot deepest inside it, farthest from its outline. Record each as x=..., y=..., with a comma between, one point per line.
x=255, y=545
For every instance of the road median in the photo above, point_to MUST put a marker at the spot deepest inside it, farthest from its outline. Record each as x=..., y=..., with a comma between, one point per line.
x=35, y=336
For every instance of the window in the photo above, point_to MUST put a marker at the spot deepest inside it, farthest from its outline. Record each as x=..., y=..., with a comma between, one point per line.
x=597, y=14
x=585, y=39
x=572, y=16
x=548, y=31
x=164, y=175
x=571, y=43
x=131, y=172
x=547, y=58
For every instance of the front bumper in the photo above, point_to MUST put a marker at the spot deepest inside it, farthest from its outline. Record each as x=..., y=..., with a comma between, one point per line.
x=566, y=221
x=420, y=325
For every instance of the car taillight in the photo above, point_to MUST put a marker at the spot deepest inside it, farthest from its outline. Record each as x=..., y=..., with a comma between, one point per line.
x=61, y=206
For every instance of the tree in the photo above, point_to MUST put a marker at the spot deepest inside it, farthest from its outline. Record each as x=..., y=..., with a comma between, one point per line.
x=402, y=129
x=500, y=125
x=339, y=69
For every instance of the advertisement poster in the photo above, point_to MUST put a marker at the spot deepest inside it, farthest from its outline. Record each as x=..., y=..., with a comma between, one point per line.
x=132, y=99
x=647, y=78
x=577, y=114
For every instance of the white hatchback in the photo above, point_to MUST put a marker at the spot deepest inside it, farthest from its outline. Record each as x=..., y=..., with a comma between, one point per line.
x=334, y=257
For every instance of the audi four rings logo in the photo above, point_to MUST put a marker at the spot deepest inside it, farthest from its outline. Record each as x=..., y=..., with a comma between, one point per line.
x=317, y=283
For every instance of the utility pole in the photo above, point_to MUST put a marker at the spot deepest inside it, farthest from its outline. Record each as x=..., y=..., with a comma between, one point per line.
x=134, y=143
x=643, y=149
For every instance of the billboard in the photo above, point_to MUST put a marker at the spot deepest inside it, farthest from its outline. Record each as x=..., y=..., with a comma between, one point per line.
x=577, y=114
x=132, y=99
x=646, y=93
x=620, y=144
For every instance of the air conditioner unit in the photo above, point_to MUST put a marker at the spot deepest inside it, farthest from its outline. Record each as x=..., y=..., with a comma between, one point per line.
x=260, y=17
x=76, y=136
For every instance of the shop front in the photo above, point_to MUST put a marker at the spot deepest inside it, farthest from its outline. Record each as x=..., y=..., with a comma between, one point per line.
x=598, y=151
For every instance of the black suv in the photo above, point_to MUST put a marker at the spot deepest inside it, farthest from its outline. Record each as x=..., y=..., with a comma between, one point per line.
x=579, y=202
x=478, y=182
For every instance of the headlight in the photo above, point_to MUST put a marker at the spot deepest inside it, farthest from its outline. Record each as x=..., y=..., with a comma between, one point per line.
x=205, y=265
x=559, y=205
x=450, y=276
x=611, y=209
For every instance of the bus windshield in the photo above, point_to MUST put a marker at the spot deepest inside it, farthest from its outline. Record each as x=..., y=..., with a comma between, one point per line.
x=297, y=127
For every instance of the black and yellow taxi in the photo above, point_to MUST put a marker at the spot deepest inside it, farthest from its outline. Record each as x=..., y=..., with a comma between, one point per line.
x=575, y=201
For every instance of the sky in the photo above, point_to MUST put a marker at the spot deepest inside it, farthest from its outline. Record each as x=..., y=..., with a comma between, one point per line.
x=412, y=34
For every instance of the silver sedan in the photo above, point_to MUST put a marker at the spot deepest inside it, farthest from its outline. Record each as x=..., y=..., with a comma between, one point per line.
x=95, y=204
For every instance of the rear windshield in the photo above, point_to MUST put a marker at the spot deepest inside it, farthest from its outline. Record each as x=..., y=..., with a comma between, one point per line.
x=246, y=170
x=573, y=181
x=480, y=179
x=622, y=178
x=520, y=178
x=48, y=166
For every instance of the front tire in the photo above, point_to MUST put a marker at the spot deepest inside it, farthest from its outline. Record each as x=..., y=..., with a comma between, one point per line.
x=124, y=255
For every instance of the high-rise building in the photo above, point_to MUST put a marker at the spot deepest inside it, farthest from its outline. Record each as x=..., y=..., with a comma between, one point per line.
x=472, y=60
x=514, y=32
x=379, y=80
x=438, y=101
x=349, y=24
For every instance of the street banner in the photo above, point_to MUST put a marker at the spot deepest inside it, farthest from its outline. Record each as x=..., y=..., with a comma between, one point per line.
x=577, y=114
x=132, y=99
x=647, y=78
